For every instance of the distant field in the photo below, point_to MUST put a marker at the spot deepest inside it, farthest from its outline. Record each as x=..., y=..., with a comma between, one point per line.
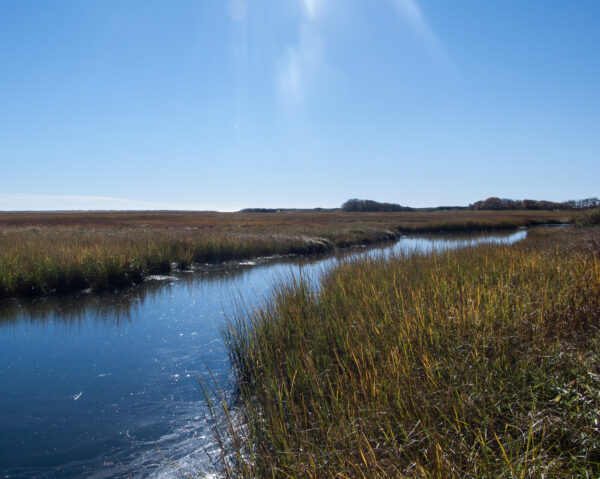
x=284, y=219
x=48, y=253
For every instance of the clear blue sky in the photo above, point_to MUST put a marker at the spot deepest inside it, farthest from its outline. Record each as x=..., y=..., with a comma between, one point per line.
x=225, y=104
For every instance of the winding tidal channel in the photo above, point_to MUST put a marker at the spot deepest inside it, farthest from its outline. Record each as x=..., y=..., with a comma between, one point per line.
x=106, y=385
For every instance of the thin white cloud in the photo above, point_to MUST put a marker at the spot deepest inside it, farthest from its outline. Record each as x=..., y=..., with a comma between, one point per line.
x=313, y=8
x=412, y=13
x=301, y=66
x=303, y=60
x=31, y=202
x=289, y=81
x=237, y=10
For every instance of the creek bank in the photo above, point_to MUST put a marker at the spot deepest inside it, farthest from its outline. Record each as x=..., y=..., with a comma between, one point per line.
x=57, y=281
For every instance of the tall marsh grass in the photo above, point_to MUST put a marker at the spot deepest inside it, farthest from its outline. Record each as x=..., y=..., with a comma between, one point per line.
x=55, y=260
x=482, y=362
x=590, y=218
x=46, y=253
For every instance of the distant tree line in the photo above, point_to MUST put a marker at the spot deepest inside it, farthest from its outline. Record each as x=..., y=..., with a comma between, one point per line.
x=494, y=203
x=370, y=205
x=586, y=203
x=259, y=210
x=281, y=210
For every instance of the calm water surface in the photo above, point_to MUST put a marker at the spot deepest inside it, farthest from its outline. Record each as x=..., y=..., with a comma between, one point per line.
x=107, y=385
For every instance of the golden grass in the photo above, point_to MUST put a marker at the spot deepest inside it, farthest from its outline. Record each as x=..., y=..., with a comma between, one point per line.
x=46, y=253
x=282, y=221
x=481, y=362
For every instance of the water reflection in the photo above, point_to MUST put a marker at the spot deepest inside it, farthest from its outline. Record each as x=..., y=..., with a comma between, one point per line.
x=115, y=308
x=89, y=380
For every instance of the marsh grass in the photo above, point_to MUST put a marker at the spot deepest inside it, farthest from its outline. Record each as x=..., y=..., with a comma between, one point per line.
x=53, y=253
x=481, y=362
x=51, y=260
x=590, y=218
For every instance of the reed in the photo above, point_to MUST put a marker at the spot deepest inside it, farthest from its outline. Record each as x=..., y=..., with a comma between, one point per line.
x=52, y=253
x=54, y=260
x=590, y=218
x=472, y=363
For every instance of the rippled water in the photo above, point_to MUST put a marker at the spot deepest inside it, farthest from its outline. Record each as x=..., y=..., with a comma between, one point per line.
x=107, y=385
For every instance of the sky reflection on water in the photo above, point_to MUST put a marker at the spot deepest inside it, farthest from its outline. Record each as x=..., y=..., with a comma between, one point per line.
x=89, y=380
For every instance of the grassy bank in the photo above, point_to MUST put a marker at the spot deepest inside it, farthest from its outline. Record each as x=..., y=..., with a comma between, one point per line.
x=589, y=218
x=474, y=363
x=49, y=253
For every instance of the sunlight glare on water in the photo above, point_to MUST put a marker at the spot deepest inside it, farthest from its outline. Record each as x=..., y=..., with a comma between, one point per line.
x=106, y=385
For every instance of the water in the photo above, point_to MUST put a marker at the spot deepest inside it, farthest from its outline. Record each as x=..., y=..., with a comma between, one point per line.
x=107, y=385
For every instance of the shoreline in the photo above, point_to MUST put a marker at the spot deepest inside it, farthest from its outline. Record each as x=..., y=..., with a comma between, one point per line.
x=52, y=261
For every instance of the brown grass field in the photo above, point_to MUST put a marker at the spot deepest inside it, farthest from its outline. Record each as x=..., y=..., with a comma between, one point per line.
x=271, y=221
x=58, y=252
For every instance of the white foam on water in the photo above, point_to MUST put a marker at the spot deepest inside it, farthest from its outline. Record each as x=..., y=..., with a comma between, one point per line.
x=160, y=277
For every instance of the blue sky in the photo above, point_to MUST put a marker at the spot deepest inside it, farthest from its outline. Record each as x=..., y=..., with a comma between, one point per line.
x=225, y=104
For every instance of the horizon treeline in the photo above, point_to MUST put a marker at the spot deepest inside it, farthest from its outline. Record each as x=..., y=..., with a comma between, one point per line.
x=491, y=203
x=371, y=205
x=494, y=203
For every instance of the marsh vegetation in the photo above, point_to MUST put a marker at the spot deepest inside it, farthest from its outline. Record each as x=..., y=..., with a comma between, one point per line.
x=482, y=362
x=50, y=253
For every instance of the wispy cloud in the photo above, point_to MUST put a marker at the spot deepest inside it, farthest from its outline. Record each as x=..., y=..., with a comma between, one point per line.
x=304, y=59
x=31, y=202
x=412, y=13
x=301, y=66
x=313, y=8
x=237, y=10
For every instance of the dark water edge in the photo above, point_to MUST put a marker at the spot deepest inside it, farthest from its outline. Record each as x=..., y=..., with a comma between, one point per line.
x=90, y=381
